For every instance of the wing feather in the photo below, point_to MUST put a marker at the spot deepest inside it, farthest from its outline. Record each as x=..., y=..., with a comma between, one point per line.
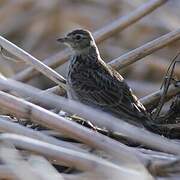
x=105, y=88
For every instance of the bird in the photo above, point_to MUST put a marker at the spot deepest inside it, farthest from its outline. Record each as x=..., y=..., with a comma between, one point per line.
x=94, y=83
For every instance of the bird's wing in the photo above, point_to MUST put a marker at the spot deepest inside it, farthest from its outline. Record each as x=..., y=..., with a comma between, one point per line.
x=106, y=88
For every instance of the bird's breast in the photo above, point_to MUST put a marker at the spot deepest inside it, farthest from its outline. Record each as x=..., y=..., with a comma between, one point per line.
x=73, y=73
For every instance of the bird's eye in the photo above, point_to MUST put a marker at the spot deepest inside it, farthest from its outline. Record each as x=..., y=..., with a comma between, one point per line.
x=78, y=37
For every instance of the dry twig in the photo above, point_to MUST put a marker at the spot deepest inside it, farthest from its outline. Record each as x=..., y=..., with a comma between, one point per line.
x=118, y=25
x=146, y=49
x=39, y=115
x=21, y=54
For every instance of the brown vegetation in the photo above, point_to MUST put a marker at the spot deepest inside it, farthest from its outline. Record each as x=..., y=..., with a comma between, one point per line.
x=38, y=141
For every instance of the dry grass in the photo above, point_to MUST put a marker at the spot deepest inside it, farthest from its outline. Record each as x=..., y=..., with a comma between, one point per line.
x=38, y=142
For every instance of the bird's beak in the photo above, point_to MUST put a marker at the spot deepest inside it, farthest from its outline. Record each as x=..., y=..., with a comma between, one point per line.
x=63, y=40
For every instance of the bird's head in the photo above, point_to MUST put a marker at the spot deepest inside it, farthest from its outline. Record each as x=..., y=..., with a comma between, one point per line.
x=78, y=40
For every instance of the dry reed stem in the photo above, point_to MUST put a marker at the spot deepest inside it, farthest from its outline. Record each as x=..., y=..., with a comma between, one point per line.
x=21, y=54
x=23, y=109
x=125, y=21
x=44, y=168
x=111, y=123
x=39, y=115
x=116, y=26
x=148, y=101
x=53, y=62
x=62, y=156
x=51, y=101
x=18, y=166
x=148, y=48
x=7, y=126
x=152, y=99
x=8, y=173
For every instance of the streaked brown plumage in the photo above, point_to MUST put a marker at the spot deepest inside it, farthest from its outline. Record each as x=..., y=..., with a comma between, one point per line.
x=92, y=82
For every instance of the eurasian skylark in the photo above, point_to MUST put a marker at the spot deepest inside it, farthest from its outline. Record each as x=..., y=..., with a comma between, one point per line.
x=92, y=82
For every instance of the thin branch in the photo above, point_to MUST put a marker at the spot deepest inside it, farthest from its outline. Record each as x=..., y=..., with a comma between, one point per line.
x=56, y=90
x=153, y=99
x=145, y=50
x=29, y=92
x=108, y=122
x=9, y=127
x=61, y=155
x=8, y=58
x=8, y=173
x=47, y=171
x=21, y=54
x=166, y=168
x=166, y=84
x=39, y=115
x=157, y=155
x=113, y=124
x=125, y=21
x=23, y=109
x=53, y=62
x=11, y=157
x=116, y=26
